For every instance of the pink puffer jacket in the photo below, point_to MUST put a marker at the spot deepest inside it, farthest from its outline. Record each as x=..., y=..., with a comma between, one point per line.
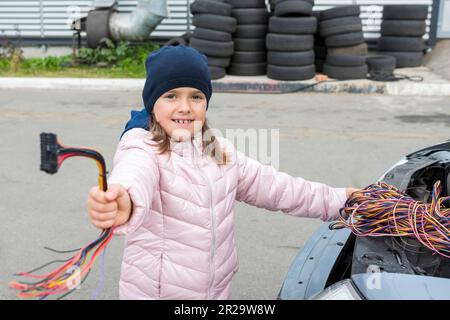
x=180, y=237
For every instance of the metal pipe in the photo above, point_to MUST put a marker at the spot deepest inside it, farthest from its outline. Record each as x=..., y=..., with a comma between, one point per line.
x=137, y=25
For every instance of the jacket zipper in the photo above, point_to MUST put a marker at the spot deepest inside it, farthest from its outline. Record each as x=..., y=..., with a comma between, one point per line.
x=213, y=224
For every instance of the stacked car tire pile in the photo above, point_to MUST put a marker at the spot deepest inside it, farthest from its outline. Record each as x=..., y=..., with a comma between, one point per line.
x=235, y=35
x=213, y=33
x=290, y=41
x=402, y=30
x=342, y=29
x=249, y=58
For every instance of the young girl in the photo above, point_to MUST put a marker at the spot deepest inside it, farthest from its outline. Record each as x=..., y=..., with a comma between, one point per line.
x=172, y=189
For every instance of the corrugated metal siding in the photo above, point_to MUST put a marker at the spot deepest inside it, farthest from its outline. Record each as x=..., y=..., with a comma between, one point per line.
x=49, y=19
x=40, y=18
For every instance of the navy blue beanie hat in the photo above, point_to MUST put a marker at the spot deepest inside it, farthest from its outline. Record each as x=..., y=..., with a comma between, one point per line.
x=172, y=67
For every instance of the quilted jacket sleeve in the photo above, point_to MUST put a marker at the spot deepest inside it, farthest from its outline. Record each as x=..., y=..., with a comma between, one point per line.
x=135, y=168
x=265, y=187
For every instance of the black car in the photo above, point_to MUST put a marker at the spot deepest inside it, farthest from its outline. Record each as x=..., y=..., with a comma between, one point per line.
x=336, y=264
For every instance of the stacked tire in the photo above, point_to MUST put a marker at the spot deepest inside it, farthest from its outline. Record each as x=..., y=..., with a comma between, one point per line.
x=290, y=41
x=346, y=49
x=249, y=58
x=381, y=67
x=212, y=35
x=402, y=31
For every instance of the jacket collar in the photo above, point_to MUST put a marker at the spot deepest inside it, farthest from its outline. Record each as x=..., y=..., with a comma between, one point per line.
x=191, y=148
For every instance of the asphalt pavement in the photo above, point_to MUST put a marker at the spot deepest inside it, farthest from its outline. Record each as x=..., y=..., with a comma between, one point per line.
x=339, y=139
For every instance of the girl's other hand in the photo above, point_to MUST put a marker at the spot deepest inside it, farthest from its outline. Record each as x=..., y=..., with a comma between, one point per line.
x=349, y=191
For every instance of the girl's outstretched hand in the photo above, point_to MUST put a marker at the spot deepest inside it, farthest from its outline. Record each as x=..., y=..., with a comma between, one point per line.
x=349, y=191
x=110, y=208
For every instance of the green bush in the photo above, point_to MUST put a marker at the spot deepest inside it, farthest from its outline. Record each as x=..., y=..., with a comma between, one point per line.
x=122, y=54
x=47, y=63
x=4, y=64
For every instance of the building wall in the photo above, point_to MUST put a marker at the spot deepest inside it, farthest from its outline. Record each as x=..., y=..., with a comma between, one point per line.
x=443, y=27
x=50, y=19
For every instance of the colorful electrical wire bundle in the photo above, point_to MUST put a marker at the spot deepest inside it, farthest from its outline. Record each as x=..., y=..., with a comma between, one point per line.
x=382, y=210
x=74, y=271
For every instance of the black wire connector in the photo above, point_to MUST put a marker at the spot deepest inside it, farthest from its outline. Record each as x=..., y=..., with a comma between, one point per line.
x=49, y=153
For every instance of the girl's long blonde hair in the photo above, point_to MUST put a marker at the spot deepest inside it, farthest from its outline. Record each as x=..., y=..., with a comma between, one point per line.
x=211, y=147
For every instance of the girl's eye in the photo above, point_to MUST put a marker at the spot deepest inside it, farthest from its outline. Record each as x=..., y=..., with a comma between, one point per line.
x=197, y=97
x=171, y=96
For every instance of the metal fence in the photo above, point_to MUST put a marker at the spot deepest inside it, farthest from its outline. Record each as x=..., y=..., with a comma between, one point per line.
x=48, y=21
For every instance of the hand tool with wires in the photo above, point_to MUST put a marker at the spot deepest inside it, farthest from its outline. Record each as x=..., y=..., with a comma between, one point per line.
x=66, y=278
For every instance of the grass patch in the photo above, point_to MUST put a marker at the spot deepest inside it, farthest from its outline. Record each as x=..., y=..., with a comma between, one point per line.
x=120, y=60
x=76, y=72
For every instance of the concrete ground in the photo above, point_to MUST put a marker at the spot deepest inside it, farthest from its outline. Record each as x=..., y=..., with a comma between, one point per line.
x=339, y=139
x=437, y=60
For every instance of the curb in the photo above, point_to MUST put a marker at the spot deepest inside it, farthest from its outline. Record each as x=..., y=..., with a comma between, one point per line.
x=263, y=84
x=71, y=83
x=430, y=89
x=236, y=84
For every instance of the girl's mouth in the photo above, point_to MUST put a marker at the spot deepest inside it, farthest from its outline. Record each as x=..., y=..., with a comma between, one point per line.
x=183, y=122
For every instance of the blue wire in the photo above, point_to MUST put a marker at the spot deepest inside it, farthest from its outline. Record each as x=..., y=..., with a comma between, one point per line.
x=100, y=284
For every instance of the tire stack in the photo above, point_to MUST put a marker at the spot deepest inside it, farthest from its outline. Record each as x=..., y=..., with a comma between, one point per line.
x=402, y=30
x=342, y=29
x=213, y=34
x=320, y=50
x=250, y=56
x=290, y=41
x=381, y=67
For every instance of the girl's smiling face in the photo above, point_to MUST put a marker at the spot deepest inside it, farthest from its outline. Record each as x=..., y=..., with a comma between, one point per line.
x=181, y=112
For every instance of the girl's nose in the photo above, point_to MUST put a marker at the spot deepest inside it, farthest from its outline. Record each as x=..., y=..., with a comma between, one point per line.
x=184, y=106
